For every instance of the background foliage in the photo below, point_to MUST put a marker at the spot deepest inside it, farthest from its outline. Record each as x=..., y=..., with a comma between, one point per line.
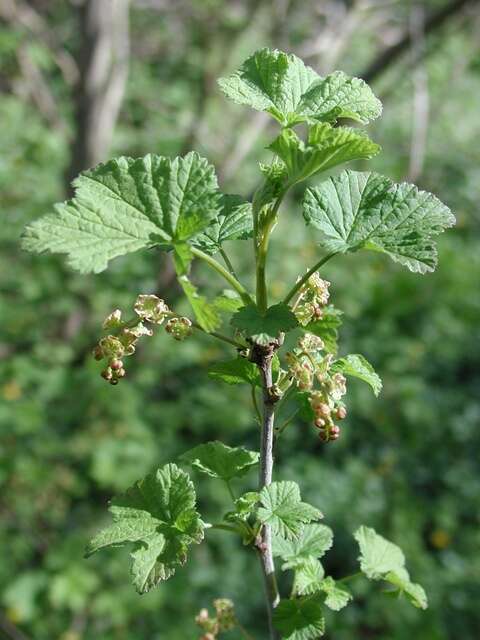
x=406, y=464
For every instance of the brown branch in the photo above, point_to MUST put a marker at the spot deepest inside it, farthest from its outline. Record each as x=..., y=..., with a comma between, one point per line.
x=263, y=358
x=433, y=22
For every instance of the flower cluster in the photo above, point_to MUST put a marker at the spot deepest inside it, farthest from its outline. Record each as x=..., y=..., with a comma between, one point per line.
x=312, y=297
x=224, y=619
x=310, y=369
x=124, y=335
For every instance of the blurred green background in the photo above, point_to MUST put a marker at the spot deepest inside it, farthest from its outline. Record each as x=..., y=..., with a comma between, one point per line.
x=407, y=463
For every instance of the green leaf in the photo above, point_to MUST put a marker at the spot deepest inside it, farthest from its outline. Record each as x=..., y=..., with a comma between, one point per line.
x=234, y=222
x=326, y=148
x=337, y=597
x=340, y=96
x=357, y=366
x=285, y=87
x=357, y=210
x=270, y=81
x=300, y=618
x=228, y=302
x=263, y=329
x=326, y=327
x=220, y=461
x=380, y=559
x=313, y=541
x=244, y=507
x=237, y=371
x=205, y=313
x=414, y=592
x=308, y=577
x=182, y=256
x=283, y=509
x=158, y=515
x=128, y=204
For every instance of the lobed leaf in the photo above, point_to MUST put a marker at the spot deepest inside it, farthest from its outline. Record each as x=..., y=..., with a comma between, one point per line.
x=300, y=618
x=380, y=559
x=357, y=366
x=312, y=542
x=281, y=84
x=309, y=577
x=325, y=148
x=264, y=328
x=357, y=210
x=340, y=96
x=158, y=515
x=337, y=597
x=221, y=461
x=237, y=371
x=282, y=509
x=128, y=204
x=234, y=222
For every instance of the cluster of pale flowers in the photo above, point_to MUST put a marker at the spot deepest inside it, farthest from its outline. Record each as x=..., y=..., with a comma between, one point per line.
x=224, y=619
x=309, y=366
x=150, y=311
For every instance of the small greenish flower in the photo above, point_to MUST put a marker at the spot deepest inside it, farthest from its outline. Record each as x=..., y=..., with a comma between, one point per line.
x=111, y=347
x=179, y=328
x=151, y=308
x=225, y=614
x=311, y=343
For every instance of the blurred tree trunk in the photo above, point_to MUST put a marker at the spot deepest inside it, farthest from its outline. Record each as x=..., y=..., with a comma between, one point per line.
x=433, y=22
x=103, y=63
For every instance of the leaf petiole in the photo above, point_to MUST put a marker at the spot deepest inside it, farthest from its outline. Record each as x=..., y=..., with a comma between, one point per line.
x=231, y=279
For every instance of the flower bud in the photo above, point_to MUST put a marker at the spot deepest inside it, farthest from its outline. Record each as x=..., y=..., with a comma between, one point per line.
x=319, y=423
x=341, y=413
x=114, y=381
x=116, y=365
x=107, y=373
x=120, y=373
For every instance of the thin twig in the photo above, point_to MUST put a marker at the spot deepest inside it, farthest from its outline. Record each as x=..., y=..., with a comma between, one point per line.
x=224, y=273
x=228, y=263
x=255, y=404
x=265, y=479
x=298, y=285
